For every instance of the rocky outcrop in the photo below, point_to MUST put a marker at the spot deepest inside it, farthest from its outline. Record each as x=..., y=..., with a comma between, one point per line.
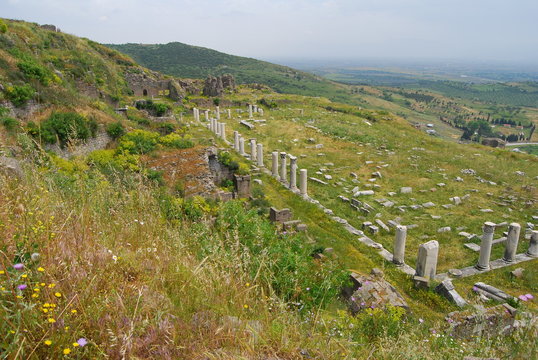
x=215, y=86
x=494, y=142
x=11, y=166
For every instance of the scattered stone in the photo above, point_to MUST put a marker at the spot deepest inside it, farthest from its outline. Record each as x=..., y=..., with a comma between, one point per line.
x=455, y=273
x=279, y=216
x=421, y=282
x=447, y=290
x=491, y=292
x=486, y=210
x=406, y=190
x=364, y=193
x=491, y=322
x=444, y=229
x=472, y=246
x=428, y=204
x=518, y=273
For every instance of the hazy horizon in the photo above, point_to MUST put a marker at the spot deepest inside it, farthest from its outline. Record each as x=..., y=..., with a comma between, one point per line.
x=396, y=30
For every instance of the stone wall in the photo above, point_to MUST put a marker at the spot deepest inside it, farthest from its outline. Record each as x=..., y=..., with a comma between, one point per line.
x=97, y=143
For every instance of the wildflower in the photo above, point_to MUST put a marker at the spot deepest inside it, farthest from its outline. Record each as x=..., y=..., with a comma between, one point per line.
x=40, y=269
x=82, y=342
x=475, y=289
x=22, y=287
x=18, y=266
x=51, y=320
x=35, y=295
x=46, y=305
x=75, y=344
x=115, y=258
x=51, y=286
x=24, y=276
x=67, y=351
x=42, y=284
x=74, y=311
x=66, y=328
x=57, y=294
x=523, y=297
x=247, y=284
x=245, y=306
x=421, y=320
x=45, y=310
x=48, y=342
x=2, y=272
x=18, y=297
x=37, y=289
x=529, y=296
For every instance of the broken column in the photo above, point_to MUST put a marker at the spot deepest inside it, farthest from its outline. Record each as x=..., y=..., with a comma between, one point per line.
x=510, y=245
x=427, y=259
x=229, y=113
x=206, y=113
x=217, y=112
x=260, y=155
x=274, y=169
x=303, y=181
x=252, y=149
x=293, y=172
x=399, y=245
x=533, y=244
x=223, y=131
x=236, y=141
x=283, y=175
x=242, y=146
x=250, y=111
x=485, y=246
x=196, y=114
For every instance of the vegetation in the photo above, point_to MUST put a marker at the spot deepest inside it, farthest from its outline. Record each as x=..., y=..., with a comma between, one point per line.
x=62, y=127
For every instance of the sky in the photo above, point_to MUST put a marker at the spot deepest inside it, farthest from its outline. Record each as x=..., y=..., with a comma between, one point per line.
x=477, y=30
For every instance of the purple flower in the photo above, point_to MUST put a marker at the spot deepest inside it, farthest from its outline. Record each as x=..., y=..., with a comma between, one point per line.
x=18, y=266
x=82, y=342
x=523, y=297
x=475, y=288
x=363, y=304
x=22, y=287
x=420, y=321
x=529, y=296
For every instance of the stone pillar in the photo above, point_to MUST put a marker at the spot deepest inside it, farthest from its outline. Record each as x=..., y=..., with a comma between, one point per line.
x=236, y=141
x=533, y=244
x=260, y=110
x=223, y=131
x=399, y=245
x=303, y=181
x=206, y=113
x=217, y=112
x=242, y=146
x=250, y=111
x=275, y=165
x=252, y=149
x=229, y=113
x=427, y=259
x=242, y=186
x=260, y=155
x=293, y=172
x=485, y=246
x=194, y=111
x=283, y=175
x=510, y=245
x=255, y=108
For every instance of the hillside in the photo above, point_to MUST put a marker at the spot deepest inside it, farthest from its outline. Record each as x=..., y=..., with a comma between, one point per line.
x=132, y=228
x=188, y=61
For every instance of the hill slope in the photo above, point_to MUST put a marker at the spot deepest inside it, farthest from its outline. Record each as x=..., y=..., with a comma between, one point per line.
x=188, y=61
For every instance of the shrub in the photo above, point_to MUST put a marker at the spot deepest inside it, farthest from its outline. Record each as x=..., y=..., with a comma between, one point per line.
x=225, y=158
x=3, y=27
x=33, y=70
x=115, y=130
x=62, y=127
x=19, y=95
x=176, y=141
x=106, y=160
x=159, y=109
x=9, y=123
x=139, y=141
x=166, y=128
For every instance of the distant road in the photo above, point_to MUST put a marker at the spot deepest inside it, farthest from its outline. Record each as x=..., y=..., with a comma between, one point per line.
x=521, y=143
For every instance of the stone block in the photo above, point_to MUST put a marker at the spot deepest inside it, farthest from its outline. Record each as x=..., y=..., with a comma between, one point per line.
x=279, y=216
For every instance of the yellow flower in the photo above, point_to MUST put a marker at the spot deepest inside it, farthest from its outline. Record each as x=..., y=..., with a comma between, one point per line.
x=2, y=272
x=51, y=320
x=35, y=295
x=66, y=328
x=48, y=342
x=42, y=284
x=74, y=311
x=46, y=305
x=75, y=344
x=40, y=269
x=24, y=276
x=247, y=284
x=57, y=294
x=19, y=297
x=67, y=351
x=245, y=306
x=37, y=290
x=52, y=305
x=45, y=310
x=51, y=286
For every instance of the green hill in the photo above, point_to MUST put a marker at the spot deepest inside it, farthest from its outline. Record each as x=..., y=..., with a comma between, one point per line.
x=188, y=61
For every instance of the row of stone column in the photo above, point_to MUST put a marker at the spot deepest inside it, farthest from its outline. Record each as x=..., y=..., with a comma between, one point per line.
x=254, y=109
x=219, y=128
x=428, y=252
x=196, y=113
x=282, y=176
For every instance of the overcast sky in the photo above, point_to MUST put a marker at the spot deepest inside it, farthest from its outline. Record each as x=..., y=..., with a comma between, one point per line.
x=278, y=29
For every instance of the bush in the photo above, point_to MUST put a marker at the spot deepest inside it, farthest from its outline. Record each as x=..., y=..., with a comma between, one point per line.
x=107, y=160
x=225, y=158
x=62, y=127
x=35, y=71
x=9, y=123
x=19, y=95
x=115, y=130
x=159, y=109
x=3, y=27
x=139, y=142
x=176, y=141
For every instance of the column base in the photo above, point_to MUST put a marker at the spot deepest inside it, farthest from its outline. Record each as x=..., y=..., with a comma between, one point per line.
x=482, y=268
x=531, y=255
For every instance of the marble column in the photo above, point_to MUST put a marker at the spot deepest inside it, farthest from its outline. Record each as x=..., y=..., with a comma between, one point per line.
x=236, y=141
x=217, y=112
x=485, y=246
x=274, y=169
x=259, y=155
x=303, y=182
x=250, y=111
x=427, y=259
x=223, y=131
x=533, y=244
x=283, y=175
x=242, y=146
x=399, y=245
x=510, y=245
x=229, y=113
x=206, y=113
x=260, y=110
x=293, y=172
x=252, y=149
